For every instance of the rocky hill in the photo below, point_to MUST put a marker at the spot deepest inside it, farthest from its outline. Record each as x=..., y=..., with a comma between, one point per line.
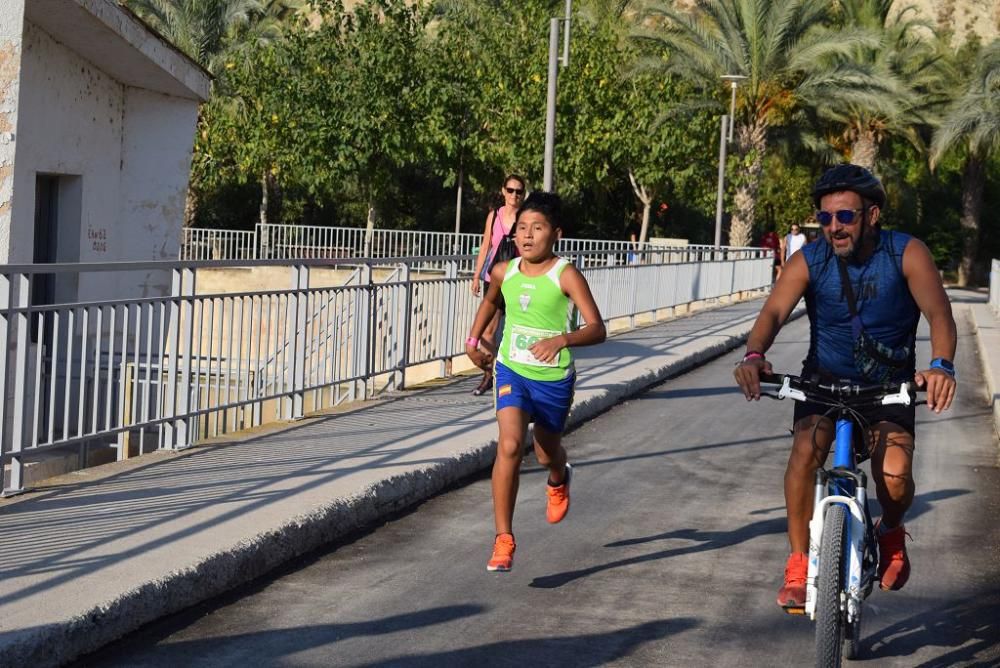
x=960, y=17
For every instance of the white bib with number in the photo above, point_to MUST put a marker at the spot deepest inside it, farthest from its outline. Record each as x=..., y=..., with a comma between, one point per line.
x=522, y=338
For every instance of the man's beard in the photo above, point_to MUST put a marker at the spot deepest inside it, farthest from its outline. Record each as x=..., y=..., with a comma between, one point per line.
x=845, y=252
x=852, y=249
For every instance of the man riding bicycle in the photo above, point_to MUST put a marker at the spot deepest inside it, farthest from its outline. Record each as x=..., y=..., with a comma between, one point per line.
x=865, y=289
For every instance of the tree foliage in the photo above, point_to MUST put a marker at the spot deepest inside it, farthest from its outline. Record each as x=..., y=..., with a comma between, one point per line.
x=322, y=115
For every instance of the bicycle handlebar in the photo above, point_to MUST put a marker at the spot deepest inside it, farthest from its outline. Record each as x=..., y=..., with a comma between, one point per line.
x=805, y=389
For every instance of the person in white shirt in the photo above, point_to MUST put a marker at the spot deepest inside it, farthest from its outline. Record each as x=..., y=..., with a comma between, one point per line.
x=793, y=241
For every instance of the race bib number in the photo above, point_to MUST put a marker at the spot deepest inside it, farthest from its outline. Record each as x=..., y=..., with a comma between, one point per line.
x=522, y=338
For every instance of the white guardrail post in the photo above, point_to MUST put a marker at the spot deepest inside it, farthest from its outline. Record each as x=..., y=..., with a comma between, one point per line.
x=297, y=310
x=995, y=284
x=16, y=291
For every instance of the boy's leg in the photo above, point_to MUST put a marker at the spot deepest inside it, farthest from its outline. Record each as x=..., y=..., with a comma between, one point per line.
x=550, y=453
x=513, y=422
x=552, y=401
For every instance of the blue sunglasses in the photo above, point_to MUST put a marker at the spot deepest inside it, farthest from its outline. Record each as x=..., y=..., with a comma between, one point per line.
x=844, y=216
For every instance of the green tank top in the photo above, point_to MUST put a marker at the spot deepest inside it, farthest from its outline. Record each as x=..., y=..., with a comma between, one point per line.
x=536, y=309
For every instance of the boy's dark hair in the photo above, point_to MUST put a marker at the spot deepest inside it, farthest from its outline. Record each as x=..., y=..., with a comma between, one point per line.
x=546, y=203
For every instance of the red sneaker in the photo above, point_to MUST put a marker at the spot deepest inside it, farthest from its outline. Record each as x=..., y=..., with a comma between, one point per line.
x=792, y=595
x=893, y=564
x=503, y=553
x=558, y=498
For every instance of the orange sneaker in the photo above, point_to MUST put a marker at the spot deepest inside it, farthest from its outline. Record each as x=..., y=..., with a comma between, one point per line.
x=503, y=553
x=893, y=564
x=558, y=501
x=792, y=594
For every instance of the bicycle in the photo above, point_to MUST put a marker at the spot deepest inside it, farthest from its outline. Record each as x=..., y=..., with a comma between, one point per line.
x=843, y=550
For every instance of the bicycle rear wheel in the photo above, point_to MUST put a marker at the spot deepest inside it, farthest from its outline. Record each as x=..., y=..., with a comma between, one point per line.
x=830, y=616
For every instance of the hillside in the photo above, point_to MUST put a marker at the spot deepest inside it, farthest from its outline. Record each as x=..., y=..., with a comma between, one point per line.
x=961, y=17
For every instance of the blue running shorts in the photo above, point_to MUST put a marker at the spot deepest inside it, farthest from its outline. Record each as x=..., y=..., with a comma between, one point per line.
x=546, y=401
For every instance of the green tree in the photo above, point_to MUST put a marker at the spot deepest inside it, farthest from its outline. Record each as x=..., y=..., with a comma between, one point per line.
x=972, y=126
x=910, y=68
x=783, y=48
x=220, y=35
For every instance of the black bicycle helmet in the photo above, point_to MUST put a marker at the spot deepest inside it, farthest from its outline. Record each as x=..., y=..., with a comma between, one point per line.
x=850, y=177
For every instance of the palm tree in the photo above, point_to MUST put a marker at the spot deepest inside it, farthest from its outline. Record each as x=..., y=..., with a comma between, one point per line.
x=215, y=32
x=972, y=124
x=788, y=56
x=910, y=66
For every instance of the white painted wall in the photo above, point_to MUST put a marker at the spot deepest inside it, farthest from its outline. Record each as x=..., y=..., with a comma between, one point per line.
x=11, y=20
x=130, y=148
x=72, y=113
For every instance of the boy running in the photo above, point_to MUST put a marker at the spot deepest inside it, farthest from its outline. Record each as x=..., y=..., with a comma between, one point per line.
x=534, y=367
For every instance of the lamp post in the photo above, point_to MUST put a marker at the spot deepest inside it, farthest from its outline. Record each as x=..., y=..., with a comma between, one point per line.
x=550, y=109
x=734, y=80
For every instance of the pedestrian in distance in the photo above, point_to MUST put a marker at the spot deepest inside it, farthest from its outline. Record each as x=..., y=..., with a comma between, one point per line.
x=770, y=241
x=865, y=289
x=499, y=223
x=534, y=366
x=792, y=242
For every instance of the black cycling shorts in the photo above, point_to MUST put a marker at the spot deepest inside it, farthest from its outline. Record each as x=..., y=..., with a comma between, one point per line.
x=904, y=416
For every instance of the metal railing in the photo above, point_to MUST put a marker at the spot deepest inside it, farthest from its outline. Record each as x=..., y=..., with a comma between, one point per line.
x=205, y=244
x=995, y=284
x=308, y=242
x=164, y=372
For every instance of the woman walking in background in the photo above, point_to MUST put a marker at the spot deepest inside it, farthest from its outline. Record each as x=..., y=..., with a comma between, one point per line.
x=499, y=223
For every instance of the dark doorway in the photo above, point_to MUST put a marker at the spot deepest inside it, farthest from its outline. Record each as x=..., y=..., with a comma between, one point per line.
x=46, y=243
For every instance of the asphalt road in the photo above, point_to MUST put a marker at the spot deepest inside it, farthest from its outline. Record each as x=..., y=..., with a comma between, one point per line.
x=671, y=556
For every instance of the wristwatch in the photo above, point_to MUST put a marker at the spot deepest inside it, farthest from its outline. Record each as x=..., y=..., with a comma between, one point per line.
x=943, y=364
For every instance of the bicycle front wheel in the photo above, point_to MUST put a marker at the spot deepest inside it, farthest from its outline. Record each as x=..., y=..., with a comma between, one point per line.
x=830, y=615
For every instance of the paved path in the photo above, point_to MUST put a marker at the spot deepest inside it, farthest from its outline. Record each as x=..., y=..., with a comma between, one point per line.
x=103, y=552
x=671, y=555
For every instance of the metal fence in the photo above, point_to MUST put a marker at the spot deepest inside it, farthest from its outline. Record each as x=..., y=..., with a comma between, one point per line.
x=204, y=244
x=163, y=372
x=307, y=242
x=995, y=284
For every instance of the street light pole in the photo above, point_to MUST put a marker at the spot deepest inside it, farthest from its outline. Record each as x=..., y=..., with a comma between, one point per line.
x=722, y=182
x=550, y=109
x=734, y=80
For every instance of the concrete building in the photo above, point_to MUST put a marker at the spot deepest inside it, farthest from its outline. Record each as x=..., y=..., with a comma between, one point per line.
x=97, y=122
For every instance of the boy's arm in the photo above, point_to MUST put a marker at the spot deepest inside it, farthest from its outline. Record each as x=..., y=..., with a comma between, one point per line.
x=576, y=288
x=487, y=309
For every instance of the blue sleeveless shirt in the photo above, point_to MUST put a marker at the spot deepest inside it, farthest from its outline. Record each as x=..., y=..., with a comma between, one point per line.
x=887, y=309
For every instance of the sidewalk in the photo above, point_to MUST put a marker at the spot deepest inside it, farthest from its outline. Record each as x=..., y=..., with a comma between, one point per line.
x=104, y=551
x=986, y=323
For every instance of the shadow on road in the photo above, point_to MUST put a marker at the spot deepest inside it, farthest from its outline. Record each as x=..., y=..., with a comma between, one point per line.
x=269, y=647
x=582, y=651
x=706, y=540
x=971, y=626
x=922, y=503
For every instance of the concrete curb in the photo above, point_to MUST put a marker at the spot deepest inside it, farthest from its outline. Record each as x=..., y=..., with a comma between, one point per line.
x=60, y=643
x=986, y=323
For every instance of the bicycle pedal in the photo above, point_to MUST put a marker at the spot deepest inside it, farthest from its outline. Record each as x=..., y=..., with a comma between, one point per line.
x=795, y=610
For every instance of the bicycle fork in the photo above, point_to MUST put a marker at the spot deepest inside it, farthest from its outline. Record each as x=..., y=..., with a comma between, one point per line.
x=856, y=530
